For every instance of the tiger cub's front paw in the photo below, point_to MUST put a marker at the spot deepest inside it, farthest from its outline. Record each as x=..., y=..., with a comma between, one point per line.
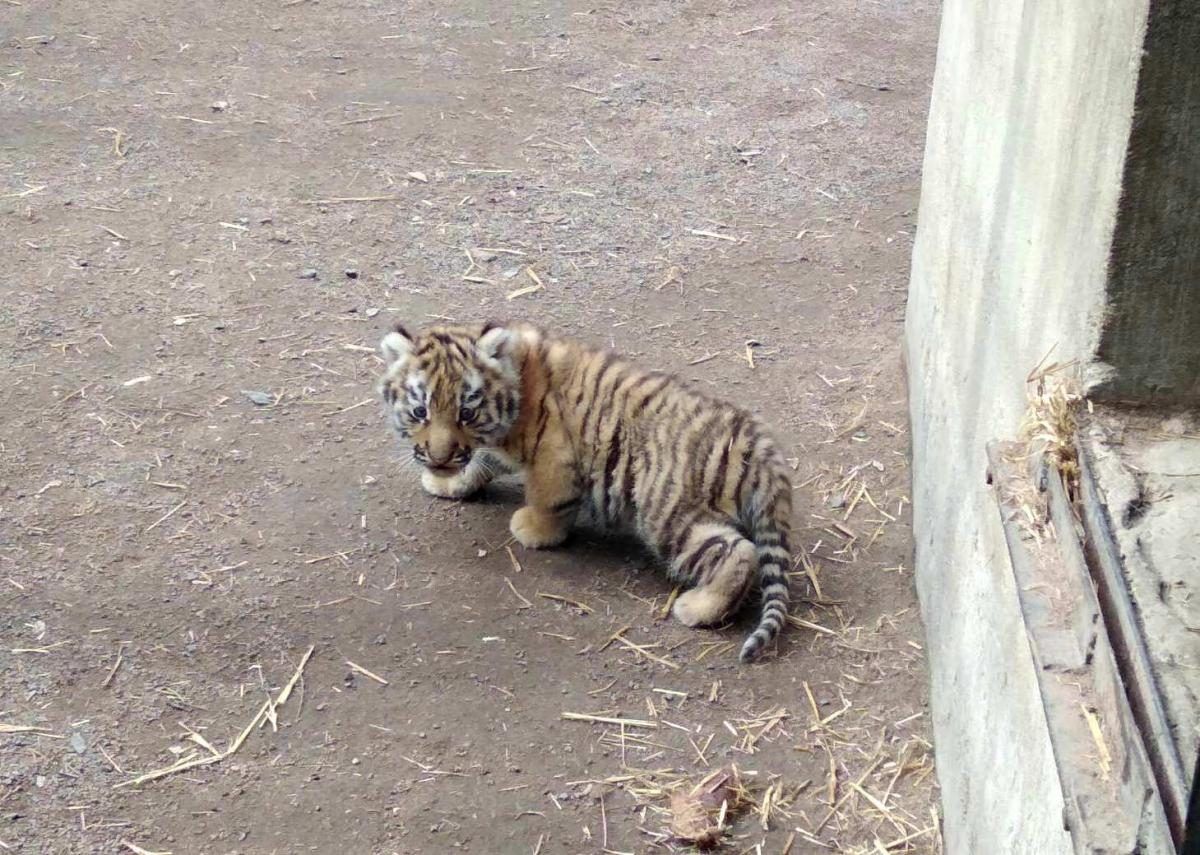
x=456, y=486
x=535, y=529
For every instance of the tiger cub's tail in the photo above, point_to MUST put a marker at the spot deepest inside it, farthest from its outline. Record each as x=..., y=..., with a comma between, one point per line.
x=768, y=514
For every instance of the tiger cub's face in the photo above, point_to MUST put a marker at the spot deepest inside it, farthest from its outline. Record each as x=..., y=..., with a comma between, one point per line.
x=450, y=390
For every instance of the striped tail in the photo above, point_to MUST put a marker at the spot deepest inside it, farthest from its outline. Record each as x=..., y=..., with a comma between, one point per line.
x=769, y=529
x=773, y=562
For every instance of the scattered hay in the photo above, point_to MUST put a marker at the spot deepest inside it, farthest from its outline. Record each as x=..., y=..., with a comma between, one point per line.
x=1048, y=428
x=583, y=607
x=642, y=650
x=603, y=719
x=266, y=712
x=525, y=603
x=138, y=850
x=1102, y=752
x=28, y=728
x=700, y=814
x=370, y=675
x=753, y=729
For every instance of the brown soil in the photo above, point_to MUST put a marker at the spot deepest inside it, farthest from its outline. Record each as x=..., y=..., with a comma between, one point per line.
x=682, y=176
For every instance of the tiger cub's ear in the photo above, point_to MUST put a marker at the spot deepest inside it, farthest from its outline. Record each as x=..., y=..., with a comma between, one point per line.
x=496, y=342
x=396, y=345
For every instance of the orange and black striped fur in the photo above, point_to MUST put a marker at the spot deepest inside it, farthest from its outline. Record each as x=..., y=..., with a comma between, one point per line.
x=698, y=480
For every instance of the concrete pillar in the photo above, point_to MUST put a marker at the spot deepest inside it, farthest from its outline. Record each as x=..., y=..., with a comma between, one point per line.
x=1151, y=338
x=1059, y=215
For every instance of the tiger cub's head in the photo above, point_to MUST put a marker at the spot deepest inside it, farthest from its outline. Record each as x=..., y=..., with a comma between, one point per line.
x=451, y=390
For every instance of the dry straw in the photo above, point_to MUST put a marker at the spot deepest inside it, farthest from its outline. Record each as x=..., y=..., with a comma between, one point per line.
x=265, y=712
x=1054, y=394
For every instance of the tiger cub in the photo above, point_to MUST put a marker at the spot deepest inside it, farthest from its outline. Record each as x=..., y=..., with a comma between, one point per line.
x=698, y=480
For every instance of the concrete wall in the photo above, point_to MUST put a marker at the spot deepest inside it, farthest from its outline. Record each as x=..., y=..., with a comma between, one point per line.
x=1031, y=113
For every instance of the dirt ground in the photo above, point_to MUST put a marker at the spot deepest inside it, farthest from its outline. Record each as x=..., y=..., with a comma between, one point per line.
x=209, y=214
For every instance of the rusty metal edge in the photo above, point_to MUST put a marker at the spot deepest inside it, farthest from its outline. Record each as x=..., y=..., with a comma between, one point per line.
x=1139, y=806
x=1191, y=833
x=1125, y=637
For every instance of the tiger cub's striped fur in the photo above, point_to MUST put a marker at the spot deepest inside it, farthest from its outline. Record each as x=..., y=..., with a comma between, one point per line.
x=698, y=480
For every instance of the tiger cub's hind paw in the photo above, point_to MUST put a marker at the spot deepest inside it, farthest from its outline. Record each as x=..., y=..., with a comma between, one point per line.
x=700, y=607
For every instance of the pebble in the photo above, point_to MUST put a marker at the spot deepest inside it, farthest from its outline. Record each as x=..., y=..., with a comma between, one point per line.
x=262, y=399
x=308, y=273
x=351, y=273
